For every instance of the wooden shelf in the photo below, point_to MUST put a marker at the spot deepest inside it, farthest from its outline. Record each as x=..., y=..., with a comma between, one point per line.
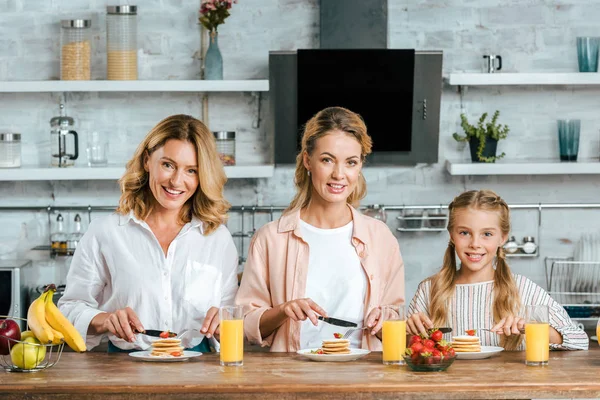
x=525, y=167
x=498, y=78
x=112, y=173
x=135, y=86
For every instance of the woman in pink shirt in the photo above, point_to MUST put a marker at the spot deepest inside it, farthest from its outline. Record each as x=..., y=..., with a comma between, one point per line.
x=322, y=257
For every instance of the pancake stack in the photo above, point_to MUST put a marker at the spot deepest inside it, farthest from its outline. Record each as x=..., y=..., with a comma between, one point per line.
x=466, y=344
x=336, y=346
x=165, y=347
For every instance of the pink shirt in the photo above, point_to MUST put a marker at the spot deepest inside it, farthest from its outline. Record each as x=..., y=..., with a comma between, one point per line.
x=277, y=266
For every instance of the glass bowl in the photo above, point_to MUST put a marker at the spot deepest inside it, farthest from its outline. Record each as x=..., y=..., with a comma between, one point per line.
x=423, y=364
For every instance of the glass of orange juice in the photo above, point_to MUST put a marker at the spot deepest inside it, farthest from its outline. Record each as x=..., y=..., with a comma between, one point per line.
x=394, y=334
x=232, y=335
x=598, y=332
x=537, y=335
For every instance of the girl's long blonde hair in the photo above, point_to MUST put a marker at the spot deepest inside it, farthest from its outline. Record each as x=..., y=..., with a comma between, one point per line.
x=506, y=294
x=208, y=203
x=323, y=123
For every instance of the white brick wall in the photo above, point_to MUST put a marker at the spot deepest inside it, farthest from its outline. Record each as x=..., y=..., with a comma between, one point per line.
x=532, y=35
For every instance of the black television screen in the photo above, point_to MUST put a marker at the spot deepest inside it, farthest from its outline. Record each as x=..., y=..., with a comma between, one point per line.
x=375, y=83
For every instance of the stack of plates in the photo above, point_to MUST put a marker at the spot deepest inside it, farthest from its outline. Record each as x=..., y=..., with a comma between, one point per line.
x=585, y=277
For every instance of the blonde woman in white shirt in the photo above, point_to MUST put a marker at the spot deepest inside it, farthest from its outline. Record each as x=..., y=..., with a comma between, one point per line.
x=164, y=260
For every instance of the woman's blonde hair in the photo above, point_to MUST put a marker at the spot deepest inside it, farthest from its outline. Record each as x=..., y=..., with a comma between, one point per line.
x=506, y=294
x=207, y=203
x=323, y=123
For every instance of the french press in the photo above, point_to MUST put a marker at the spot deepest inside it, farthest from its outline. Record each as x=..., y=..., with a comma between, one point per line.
x=60, y=128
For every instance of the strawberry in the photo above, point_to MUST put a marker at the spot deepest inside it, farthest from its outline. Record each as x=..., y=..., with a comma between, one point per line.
x=471, y=332
x=320, y=351
x=436, y=335
x=176, y=354
x=164, y=335
x=337, y=335
x=416, y=347
x=451, y=352
x=430, y=344
x=415, y=339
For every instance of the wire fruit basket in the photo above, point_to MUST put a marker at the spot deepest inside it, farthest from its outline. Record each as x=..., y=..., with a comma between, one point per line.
x=26, y=356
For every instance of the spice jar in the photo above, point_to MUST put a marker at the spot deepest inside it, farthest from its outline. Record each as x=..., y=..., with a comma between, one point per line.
x=75, y=49
x=511, y=247
x=10, y=150
x=225, y=141
x=529, y=245
x=121, y=42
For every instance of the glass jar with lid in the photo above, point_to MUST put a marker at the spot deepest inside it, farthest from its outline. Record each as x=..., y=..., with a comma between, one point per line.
x=225, y=141
x=75, y=49
x=121, y=42
x=10, y=150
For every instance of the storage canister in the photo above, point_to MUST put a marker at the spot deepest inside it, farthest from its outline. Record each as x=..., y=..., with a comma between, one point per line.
x=75, y=49
x=10, y=150
x=226, y=146
x=121, y=42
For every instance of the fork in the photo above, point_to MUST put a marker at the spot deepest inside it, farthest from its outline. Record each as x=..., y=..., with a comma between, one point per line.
x=352, y=330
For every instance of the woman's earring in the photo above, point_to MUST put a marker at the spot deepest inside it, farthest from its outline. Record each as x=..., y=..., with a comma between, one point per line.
x=308, y=173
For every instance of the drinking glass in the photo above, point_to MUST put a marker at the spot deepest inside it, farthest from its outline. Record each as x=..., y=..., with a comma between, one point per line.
x=97, y=150
x=598, y=332
x=394, y=334
x=568, y=138
x=587, y=53
x=537, y=335
x=232, y=335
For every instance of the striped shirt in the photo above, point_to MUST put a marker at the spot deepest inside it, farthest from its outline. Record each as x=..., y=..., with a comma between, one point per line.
x=471, y=307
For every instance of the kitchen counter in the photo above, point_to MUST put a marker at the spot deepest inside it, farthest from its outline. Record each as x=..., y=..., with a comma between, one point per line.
x=288, y=376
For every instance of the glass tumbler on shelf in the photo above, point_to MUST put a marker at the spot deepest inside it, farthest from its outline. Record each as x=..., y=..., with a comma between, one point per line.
x=568, y=138
x=121, y=42
x=587, y=53
x=393, y=336
x=225, y=141
x=97, y=150
x=537, y=335
x=75, y=49
x=232, y=335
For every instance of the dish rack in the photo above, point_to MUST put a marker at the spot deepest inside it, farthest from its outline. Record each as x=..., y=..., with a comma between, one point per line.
x=575, y=285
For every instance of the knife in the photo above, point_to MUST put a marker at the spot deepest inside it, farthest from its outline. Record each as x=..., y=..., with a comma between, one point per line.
x=156, y=333
x=338, y=322
x=445, y=330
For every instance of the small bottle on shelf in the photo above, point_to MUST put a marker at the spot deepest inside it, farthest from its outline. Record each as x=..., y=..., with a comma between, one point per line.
x=75, y=236
x=58, y=238
x=529, y=245
x=511, y=246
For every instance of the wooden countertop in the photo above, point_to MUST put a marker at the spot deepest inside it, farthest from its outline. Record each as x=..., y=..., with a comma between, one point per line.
x=288, y=376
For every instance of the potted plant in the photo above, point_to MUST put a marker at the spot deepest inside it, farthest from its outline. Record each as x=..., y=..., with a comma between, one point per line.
x=483, y=137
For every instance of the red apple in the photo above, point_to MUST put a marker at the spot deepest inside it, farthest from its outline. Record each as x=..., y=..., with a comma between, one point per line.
x=10, y=329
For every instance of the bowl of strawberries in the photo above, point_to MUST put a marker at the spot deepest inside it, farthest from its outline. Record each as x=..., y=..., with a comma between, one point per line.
x=429, y=352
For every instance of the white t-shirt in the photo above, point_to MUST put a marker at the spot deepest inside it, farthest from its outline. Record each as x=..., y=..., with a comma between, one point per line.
x=335, y=281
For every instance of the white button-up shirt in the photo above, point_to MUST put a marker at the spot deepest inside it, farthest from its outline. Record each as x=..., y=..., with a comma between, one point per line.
x=119, y=263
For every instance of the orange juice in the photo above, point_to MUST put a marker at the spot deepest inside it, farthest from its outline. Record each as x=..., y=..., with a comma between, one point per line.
x=394, y=341
x=537, y=343
x=232, y=342
x=598, y=333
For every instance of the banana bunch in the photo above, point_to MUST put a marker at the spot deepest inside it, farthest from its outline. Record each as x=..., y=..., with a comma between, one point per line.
x=49, y=325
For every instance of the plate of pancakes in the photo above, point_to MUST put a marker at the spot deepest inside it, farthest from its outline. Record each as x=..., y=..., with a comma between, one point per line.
x=166, y=350
x=334, y=350
x=470, y=348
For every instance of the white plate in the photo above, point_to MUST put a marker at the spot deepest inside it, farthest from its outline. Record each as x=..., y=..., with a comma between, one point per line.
x=354, y=354
x=145, y=355
x=486, y=352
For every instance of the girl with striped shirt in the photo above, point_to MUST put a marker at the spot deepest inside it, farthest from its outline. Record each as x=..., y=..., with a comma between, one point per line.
x=483, y=292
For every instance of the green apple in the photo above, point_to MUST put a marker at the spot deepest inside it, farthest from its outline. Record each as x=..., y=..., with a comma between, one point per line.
x=27, y=334
x=26, y=355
